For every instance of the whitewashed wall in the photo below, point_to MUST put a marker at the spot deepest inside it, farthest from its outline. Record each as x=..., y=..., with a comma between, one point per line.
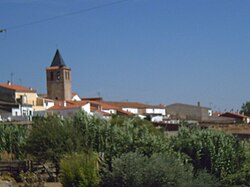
x=161, y=111
x=110, y=111
x=132, y=110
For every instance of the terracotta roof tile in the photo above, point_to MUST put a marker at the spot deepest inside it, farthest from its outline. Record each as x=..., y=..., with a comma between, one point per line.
x=230, y=114
x=17, y=88
x=60, y=105
x=63, y=107
x=95, y=106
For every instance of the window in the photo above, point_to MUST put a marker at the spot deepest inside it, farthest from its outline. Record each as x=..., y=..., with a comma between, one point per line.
x=24, y=112
x=58, y=75
x=51, y=76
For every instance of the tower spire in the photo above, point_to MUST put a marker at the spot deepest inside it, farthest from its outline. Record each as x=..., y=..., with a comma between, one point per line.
x=57, y=60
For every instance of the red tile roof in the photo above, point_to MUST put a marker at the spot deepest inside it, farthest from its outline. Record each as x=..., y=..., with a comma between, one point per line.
x=93, y=98
x=233, y=115
x=95, y=106
x=59, y=105
x=17, y=88
x=63, y=107
x=106, y=106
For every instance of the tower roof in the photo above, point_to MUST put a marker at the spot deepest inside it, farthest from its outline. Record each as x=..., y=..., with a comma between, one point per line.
x=57, y=60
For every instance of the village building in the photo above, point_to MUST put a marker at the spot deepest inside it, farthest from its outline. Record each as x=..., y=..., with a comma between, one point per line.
x=69, y=108
x=155, y=113
x=179, y=111
x=238, y=118
x=16, y=102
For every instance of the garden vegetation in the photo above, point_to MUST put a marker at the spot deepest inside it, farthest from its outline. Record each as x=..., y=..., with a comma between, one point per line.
x=91, y=151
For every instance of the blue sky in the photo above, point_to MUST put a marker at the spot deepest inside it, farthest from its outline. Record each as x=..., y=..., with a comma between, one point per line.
x=151, y=51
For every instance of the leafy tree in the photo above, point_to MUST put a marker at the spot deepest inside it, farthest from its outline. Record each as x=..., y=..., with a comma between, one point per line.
x=245, y=108
x=49, y=139
x=217, y=152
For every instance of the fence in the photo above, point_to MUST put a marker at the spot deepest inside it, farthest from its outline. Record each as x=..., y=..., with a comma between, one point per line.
x=14, y=167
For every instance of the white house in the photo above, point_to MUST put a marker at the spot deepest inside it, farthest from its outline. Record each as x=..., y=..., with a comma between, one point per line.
x=15, y=111
x=140, y=109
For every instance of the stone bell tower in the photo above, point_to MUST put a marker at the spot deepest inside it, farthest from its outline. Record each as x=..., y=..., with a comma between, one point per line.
x=58, y=79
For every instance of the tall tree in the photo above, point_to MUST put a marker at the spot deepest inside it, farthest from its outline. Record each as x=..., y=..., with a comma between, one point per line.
x=49, y=139
x=245, y=108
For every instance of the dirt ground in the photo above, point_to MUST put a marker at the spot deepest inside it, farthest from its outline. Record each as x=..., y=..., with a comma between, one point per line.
x=53, y=184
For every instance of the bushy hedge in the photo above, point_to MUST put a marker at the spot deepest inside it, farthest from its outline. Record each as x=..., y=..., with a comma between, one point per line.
x=80, y=170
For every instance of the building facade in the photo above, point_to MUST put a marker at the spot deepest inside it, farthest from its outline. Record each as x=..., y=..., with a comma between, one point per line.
x=189, y=112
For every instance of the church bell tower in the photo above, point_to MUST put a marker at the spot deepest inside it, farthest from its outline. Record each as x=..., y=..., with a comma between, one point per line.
x=58, y=79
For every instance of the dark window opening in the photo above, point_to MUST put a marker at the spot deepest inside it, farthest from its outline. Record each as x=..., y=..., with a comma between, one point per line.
x=58, y=75
x=51, y=76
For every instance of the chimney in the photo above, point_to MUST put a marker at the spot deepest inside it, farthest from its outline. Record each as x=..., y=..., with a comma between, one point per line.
x=9, y=83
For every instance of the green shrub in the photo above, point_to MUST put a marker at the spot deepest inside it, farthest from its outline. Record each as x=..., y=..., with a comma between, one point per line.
x=204, y=179
x=242, y=176
x=134, y=169
x=80, y=170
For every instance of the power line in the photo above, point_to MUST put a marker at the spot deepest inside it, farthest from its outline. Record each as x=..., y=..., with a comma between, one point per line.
x=64, y=15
